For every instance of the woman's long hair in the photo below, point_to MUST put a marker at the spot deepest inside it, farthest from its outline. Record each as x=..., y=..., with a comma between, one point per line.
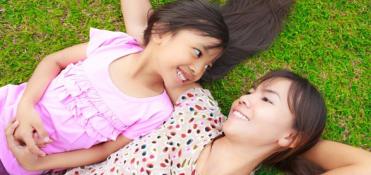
x=253, y=25
x=309, y=110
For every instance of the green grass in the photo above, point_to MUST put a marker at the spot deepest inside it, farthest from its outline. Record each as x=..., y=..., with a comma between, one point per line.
x=326, y=41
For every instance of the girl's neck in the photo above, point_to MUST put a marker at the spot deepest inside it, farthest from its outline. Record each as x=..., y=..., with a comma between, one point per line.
x=143, y=68
x=226, y=157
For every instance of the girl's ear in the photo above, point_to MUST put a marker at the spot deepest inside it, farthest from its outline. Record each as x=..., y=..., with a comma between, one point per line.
x=290, y=140
x=156, y=38
x=156, y=34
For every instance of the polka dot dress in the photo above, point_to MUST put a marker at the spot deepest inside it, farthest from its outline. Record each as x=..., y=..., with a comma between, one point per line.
x=172, y=149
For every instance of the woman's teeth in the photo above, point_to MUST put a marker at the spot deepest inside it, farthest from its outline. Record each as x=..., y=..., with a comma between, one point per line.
x=240, y=115
x=180, y=75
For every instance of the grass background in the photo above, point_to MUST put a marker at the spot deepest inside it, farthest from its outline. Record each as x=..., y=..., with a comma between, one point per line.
x=326, y=41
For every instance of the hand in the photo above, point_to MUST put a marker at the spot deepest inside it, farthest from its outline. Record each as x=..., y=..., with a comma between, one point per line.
x=31, y=131
x=24, y=157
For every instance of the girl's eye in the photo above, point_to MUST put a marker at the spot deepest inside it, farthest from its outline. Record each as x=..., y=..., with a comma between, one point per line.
x=197, y=53
x=265, y=99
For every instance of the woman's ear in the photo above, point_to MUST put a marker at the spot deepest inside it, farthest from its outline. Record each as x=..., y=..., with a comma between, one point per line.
x=290, y=140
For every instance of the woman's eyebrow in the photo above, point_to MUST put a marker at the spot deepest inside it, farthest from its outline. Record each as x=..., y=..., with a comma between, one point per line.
x=272, y=92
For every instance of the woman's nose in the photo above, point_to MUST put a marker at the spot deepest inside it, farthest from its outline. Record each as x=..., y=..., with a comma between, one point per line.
x=244, y=100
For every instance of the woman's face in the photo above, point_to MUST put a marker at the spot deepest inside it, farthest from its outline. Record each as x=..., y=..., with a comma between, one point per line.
x=262, y=116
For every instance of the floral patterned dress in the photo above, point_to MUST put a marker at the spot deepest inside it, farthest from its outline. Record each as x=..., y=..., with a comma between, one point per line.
x=172, y=149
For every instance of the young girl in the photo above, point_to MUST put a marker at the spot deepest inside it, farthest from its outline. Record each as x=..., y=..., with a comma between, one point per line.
x=110, y=91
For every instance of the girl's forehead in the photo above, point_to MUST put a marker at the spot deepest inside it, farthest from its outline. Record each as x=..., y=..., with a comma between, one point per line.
x=200, y=36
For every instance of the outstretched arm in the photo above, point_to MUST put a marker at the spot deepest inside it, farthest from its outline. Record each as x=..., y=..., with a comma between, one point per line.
x=44, y=73
x=82, y=157
x=64, y=160
x=338, y=158
x=135, y=14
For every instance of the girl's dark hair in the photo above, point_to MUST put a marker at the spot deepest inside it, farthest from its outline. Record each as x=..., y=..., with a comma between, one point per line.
x=188, y=14
x=309, y=110
x=253, y=25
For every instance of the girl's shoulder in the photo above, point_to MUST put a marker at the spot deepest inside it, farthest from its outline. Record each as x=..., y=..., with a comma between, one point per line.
x=110, y=41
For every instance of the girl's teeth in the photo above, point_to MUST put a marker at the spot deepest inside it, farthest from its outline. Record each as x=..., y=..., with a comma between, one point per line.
x=240, y=115
x=180, y=75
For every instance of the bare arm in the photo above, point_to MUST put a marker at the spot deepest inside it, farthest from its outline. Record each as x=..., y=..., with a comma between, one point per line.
x=64, y=160
x=135, y=14
x=339, y=158
x=46, y=70
x=82, y=157
x=49, y=68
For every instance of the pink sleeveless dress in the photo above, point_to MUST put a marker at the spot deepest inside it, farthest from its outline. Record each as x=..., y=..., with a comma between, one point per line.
x=81, y=107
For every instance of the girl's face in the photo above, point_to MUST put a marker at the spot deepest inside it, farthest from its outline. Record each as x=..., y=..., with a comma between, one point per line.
x=183, y=57
x=262, y=116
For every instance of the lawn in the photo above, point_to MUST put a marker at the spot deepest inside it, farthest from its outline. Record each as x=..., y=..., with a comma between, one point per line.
x=327, y=41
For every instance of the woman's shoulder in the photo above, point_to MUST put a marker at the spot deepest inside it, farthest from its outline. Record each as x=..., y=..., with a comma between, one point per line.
x=197, y=95
x=189, y=93
x=198, y=109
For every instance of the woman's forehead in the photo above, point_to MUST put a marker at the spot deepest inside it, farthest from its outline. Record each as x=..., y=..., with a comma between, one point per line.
x=280, y=85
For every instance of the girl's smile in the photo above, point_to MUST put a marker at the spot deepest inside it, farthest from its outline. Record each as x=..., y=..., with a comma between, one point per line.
x=182, y=75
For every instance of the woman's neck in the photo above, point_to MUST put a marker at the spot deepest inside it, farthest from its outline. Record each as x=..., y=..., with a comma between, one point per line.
x=226, y=157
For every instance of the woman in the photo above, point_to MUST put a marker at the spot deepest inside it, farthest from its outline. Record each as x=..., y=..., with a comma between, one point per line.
x=274, y=123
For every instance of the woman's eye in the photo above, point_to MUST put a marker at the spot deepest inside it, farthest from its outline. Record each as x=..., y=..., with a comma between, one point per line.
x=267, y=100
x=208, y=66
x=250, y=92
x=197, y=53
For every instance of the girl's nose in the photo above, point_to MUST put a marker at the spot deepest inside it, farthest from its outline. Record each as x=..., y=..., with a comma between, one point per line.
x=197, y=69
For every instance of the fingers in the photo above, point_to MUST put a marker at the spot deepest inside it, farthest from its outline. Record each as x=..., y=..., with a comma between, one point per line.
x=31, y=145
x=42, y=134
x=39, y=142
x=25, y=135
x=9, y=131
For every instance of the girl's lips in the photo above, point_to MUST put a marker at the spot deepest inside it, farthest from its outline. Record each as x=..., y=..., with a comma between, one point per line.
x=182, y=75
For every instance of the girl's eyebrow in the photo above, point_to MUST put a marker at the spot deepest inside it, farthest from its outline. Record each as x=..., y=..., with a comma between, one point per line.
x=272, y=92
x=202, y=47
